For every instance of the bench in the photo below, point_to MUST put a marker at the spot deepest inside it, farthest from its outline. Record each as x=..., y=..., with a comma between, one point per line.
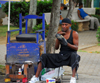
x=83, y=24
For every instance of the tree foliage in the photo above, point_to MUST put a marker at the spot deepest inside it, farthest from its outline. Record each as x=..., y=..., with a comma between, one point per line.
x=23, y=7
x=16, y=9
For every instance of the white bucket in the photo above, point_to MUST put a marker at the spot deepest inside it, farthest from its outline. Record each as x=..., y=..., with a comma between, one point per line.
x=50, y=80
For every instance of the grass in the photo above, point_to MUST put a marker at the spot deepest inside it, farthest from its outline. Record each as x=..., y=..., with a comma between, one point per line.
x=98, y=44
x=1, y=66
x=98, y=52
x=2, y=70
x=4, y=29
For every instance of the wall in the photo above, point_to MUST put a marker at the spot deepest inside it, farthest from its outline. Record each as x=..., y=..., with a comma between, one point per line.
x=96, y=3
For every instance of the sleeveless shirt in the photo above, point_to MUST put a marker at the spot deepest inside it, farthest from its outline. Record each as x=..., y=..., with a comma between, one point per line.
x=65, y=49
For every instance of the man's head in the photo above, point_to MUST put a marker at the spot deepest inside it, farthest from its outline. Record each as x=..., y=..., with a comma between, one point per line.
x=80, y=5
x=62, y=6
x=66, y=24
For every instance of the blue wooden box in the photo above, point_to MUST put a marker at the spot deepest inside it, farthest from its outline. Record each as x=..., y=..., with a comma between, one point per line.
x=19, y=52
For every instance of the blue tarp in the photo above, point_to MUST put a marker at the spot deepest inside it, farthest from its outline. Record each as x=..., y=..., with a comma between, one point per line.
x=3, y=2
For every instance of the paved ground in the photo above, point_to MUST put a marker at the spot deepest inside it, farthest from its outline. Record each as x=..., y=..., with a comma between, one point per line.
x=2, y=53
x=87, y=38
x=89, y=70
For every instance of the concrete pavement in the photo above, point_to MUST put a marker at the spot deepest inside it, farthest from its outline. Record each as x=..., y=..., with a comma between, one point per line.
x=89, y=68
x=2, y=54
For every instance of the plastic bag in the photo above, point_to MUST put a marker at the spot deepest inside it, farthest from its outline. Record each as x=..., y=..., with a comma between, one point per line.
x=52, y=73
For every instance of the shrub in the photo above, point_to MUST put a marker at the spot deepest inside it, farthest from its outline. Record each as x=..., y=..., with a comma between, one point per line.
x=39, y=26
x=43, y=7
x=98, y=34
x=16, y=9
x=23, y=7
x=74, y=26
x=97, y=11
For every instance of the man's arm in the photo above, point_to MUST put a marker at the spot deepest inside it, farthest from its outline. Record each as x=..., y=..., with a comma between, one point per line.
x=75, y=41
x=79, y=15
x=57, y=44
x=61, y=17
x=87, y=13
x=57, y=41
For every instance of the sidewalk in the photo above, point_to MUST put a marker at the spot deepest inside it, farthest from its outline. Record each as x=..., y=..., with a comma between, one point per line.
x=87, y=39
x=89, y=69
x=2, y=53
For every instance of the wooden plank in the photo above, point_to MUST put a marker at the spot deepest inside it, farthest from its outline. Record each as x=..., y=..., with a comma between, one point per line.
x=12, y=76
x=25, y=69
x=7, y=69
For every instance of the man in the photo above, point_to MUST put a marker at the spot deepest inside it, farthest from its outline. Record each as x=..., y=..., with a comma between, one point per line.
x=61, y=8
x=68, y=39
x=83, y=15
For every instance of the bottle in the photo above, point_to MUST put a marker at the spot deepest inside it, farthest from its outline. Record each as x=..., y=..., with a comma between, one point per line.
x=19, y=72
x=24, y=80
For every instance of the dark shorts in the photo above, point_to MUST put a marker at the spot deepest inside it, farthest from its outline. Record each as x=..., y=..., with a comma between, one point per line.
x=57, y=60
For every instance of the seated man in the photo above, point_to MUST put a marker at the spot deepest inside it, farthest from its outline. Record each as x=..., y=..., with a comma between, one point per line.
x=83, y=15
x=61, y=8
x=68, y=52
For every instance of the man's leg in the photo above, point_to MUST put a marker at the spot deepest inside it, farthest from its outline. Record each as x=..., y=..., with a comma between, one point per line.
x=92, y=21
x=35, y=78
x=38, y=69
x=74, y=72
x=73, y=79
x=96, y=21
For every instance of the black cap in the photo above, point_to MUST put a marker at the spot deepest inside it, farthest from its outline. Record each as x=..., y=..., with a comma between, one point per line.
x=66, y=20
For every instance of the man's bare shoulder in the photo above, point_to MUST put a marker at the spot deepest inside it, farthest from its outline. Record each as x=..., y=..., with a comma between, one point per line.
x=75, y=34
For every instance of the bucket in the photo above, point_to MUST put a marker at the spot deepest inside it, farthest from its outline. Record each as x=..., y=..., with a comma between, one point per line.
x=50, y=80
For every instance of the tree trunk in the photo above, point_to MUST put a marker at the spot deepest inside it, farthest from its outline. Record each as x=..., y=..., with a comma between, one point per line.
x=72, y=5
x=32, y=11
x=54, y=22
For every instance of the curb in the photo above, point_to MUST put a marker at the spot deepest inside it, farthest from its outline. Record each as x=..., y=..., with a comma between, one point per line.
x=87, y=46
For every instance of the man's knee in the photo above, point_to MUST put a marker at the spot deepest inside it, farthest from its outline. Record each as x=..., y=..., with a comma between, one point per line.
x=95, y=18
x=75, y=56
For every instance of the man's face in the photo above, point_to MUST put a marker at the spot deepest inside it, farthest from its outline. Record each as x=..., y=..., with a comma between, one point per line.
x=81, y=6
x=61, y=8
x=65, y=26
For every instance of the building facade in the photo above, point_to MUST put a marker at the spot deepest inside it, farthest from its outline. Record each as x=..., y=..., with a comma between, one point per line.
x=97, y=3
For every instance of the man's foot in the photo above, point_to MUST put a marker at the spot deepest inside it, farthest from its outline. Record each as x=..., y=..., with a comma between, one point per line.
x=93, y=29
x=73, y=80
x=34, y=79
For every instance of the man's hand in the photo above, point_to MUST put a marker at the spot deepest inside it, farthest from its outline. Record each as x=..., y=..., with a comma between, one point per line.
x=61, y=39
x=82, y=19
x=61, y=33
x=89, y=15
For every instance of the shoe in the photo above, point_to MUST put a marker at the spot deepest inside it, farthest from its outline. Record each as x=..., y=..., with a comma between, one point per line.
x=73, y=80
x=93, y=29
x=34, y=79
